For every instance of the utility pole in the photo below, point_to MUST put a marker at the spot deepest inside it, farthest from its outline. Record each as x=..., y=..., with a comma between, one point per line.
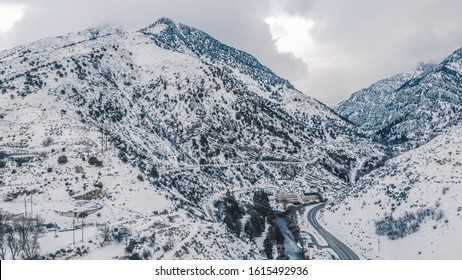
x=102, y=139
x=96, y=223
x=1, y=221
x=75, y=215
x=31, y=210
x=73, y=230
x=82, y=228
x=379, y=243
x=25, y=205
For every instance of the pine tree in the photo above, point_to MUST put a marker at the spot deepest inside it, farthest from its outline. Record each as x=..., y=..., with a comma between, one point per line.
x=249, y=229
x=261, y=203
x=268, y=247
x=278, y=236
x=233, y=225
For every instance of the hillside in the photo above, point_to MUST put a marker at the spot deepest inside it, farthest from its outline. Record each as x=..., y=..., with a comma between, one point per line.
x=411, y=108
x=155, y=127
x=367, y=107
x=410, y=208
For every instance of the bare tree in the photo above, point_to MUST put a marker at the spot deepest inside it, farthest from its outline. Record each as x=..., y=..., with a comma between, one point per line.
x=14, y=243
x=30, y=245
x=23, y=229
x=4, y=224
x=22, y=236
x=3, y=246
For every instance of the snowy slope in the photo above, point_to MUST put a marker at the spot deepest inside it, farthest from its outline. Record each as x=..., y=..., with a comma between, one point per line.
x=410, y=208
x=367, y=107
x=32, y=174
x=410, y=108
x=425, y=181
x=176, y=119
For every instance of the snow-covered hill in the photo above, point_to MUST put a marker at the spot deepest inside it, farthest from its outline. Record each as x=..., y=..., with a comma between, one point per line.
x=409, y=108
x=367, y=107
x=408, y=209
x=155, y=126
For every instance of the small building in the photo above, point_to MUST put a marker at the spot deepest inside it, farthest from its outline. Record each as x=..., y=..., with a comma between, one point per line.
x=287, y=197
x=297, y=197
x=310, y=196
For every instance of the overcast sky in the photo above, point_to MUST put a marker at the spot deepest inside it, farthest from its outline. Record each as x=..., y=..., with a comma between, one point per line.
x=327, y=48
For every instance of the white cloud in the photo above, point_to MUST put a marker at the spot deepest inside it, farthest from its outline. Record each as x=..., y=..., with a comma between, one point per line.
x=354, y=43
x=10, y=14
x=292, y=34
x=345, y=45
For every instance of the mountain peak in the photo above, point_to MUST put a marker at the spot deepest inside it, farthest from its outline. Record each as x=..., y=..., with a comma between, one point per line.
x=160, y=25
x=179, y=120
x=165, y=20
x=182, y=38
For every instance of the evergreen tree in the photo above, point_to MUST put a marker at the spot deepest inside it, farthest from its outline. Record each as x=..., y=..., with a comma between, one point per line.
x=255, y=225
x=278, y=236
x=261, y=203
x=268, y=247
x=233, y=225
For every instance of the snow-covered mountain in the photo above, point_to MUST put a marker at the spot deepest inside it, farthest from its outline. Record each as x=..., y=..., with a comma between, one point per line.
x=155, y=126
x=409, y=208
x=367, y=106
x=411, y=107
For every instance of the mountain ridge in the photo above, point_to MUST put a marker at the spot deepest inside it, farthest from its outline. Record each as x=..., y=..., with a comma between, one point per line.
x=407, y=108
x=410, y=206
x=157, y=135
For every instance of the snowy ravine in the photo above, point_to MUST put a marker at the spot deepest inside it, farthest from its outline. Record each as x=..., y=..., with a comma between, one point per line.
x=411, y=207
x=151, y=125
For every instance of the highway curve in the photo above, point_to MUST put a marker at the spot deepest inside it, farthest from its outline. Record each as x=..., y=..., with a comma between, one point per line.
x=343, y=251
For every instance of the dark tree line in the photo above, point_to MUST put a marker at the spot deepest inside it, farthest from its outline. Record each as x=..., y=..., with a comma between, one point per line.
x=395, y=228
x=233, y=214
x=260, y=215
x=259, y=212
x=273, y=238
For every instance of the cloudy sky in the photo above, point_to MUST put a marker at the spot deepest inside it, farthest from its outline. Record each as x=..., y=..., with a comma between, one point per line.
x=327, y=48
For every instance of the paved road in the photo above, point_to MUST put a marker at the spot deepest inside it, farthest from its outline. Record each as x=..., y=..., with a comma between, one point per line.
x=343, y=252
x=229, y=164
x=314, y=241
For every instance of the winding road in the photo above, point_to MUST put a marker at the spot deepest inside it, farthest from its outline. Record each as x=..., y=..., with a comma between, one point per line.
x=343, y=251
